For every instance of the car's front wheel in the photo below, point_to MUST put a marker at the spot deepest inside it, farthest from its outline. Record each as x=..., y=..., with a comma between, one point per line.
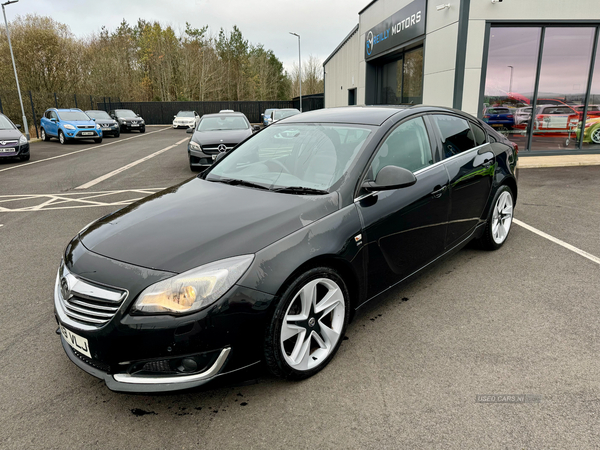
x=595, y=135
x=61, y=137
x=25, y=157
x=143, y=130
x=98, y=141
x=308, y=324
x=499, y=220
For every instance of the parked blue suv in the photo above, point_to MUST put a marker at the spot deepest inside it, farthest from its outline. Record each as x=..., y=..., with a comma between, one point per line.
x=69, y=124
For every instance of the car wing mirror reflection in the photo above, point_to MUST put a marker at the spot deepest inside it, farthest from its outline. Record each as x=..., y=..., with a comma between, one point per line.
x=390, y=177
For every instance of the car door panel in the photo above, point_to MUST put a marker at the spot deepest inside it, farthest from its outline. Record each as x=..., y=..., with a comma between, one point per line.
x=404, y=229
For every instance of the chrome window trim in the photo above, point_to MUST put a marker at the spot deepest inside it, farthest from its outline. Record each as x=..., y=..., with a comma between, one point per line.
x=425, y=169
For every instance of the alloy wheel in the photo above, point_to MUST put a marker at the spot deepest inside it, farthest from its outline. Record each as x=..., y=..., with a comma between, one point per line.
x=502, y=217
x=596, y=136
x=312, y=324
x=61, y=137
x=43, y=135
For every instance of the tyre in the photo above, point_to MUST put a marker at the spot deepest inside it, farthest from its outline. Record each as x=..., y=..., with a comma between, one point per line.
x=98, y=141
x=61, y=137
x=117, y=134
x=45, y=137
x=143, y=130
x=194, y=168
x=499, y=220
x=595, y=135
x=25, y=157
x=308, y=324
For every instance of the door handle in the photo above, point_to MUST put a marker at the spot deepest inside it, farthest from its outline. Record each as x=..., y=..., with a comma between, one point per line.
x=438, y=191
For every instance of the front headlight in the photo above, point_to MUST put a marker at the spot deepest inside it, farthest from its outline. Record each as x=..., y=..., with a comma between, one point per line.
x=69, y=126
x=195, y=146
x=194, y=289
x=98, y=126
x=22, y=140
x=121, y=120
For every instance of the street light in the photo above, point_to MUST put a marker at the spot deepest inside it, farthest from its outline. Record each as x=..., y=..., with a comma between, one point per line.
x=300, y=68
x=15, y=67
x=510, y=82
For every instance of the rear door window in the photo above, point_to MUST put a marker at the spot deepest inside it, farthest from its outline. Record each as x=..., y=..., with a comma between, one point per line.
x=456, y=134
x=478, y=134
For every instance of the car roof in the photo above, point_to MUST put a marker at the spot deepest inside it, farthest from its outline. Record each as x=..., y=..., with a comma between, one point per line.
x=228, y=114
x=64, y=109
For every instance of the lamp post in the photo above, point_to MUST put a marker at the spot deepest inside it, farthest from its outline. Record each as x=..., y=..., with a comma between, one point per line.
x=510, y=82
x=15, y=68
x=300, y=68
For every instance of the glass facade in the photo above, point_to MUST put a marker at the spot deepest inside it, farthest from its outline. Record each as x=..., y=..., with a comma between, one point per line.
x=401, y=80
x=536, y=86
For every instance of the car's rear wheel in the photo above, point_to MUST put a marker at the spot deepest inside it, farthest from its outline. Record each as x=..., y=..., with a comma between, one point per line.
x=61, y=137
x=45, y=137
x=308, y=324
x=499, y=220
x=595, y=135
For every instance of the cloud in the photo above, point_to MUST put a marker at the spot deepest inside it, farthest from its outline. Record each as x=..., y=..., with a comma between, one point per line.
x=322, y=24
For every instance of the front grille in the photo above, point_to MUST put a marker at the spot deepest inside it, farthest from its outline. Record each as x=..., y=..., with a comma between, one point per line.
x=90, y=362
x=8, y=143
x=158, y=366
x=85, y=127
x=87, y=302
x=214, y=148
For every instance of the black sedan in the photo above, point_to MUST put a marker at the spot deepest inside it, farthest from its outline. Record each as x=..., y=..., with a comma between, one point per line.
x=12, y=142
x=216, y=133
x=267, y=255
x=128, y=120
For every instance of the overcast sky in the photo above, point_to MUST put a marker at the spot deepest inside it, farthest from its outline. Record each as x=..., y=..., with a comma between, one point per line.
x=322, y=24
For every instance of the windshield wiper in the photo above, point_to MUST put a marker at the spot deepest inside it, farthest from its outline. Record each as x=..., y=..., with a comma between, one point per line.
x=300, y=190
x=235, y=182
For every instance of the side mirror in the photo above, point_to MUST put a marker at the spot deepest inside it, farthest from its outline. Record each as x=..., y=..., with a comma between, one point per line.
x=390, y=177
x=18, y=126
x=113, y=116
x=190, y=130
x=174, y=117
x=137, y=115
x=53, y=120
x=93, y=119
x=256, y=128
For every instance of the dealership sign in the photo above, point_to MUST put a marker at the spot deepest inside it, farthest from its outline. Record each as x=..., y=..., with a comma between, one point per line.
x=403, y=26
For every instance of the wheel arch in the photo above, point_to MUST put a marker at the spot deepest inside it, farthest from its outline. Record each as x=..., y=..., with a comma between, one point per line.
x=342, y=267
x=512, y=184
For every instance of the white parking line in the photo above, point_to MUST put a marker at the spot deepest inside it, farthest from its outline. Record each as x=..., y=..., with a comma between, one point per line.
x=83, y=150
x=128, y=166
x=558, y=241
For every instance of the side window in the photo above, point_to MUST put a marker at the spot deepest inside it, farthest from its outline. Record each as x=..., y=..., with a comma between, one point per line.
x=479, y=134
x=407, y=146
x=456, y=134
x=53, y=115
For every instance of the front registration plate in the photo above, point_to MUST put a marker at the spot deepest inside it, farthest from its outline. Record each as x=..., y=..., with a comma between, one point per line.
x=7, y=150
x=134, y=125
x=105, y=128
x=77, y=342
x=87, y=133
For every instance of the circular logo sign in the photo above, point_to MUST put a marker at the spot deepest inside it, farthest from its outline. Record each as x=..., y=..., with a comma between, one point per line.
x=369, y=42
x=222, y=148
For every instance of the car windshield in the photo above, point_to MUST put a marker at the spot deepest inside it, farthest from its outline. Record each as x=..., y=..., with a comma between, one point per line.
x=5, y=124
x=279, y=114
x=185, y=114
x=125, y=113
x=300, y=156
x=98, y=115
x=217, y=123
x=73, y=115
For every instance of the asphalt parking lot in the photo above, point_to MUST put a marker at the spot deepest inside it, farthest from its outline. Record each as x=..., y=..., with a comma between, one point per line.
x=419, y=366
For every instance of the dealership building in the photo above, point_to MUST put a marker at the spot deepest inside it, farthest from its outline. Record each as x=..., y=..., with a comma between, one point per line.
x=530, y=68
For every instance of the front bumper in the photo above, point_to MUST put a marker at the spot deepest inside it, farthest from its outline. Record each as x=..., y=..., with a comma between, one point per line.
x=19, y=150
x=200, y=159
x=129, y=127
x=146, y=353
x=78, y=134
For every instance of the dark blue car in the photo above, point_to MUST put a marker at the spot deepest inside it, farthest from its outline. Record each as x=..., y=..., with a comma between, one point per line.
x=68, y=125
x=501, y=118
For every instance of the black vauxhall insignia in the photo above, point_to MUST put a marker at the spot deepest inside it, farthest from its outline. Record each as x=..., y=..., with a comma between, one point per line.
x=266, y=255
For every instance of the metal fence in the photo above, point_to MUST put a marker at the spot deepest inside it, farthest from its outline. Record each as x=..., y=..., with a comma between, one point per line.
x=154, y=113
x=161, y=113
